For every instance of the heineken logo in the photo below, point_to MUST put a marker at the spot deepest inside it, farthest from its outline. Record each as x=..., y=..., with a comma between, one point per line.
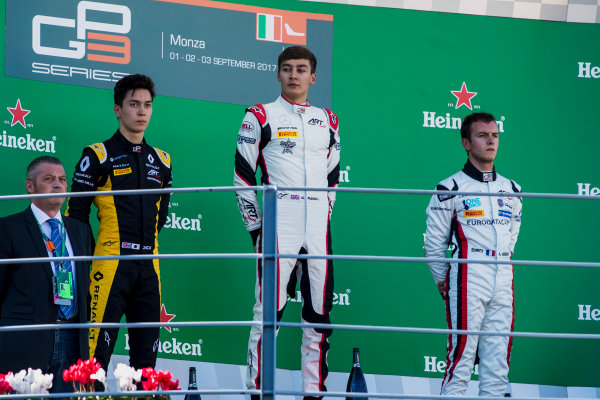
x=13, y=137
x=587, y=70
x=174, y=346
x=461, y=99
x=183, y=223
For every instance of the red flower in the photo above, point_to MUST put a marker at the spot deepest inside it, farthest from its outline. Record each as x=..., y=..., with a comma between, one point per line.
x=81, y=372
x=150, y=384
x=172, y=385
x=5, y=386
x=165, y=381
x=148, y=372
x=164, y=376
x=68, y=373
x=154, y=379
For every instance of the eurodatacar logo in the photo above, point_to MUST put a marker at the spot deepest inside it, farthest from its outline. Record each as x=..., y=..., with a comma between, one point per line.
x=91, y=36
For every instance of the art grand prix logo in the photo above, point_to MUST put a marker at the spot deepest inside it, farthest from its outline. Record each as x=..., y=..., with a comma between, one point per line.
x=460, y=99
x=92, y=36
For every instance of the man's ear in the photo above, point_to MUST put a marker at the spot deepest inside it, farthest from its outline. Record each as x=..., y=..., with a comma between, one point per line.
x=29, y=185
x=466, y=143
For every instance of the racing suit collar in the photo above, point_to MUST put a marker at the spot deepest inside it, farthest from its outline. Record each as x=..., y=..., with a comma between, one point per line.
x=133, y=148
x=291, y=107
x=476, y=174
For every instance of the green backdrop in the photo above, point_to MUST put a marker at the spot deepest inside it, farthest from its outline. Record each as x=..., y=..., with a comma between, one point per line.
x=390, y=67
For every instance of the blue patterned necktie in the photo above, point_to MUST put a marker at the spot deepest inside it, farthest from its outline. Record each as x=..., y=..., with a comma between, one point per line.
x=65, y=312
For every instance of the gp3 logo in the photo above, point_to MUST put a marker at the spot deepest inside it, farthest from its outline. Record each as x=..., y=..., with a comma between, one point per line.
x=77, y=48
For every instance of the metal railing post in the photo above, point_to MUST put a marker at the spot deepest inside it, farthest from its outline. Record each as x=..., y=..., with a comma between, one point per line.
x=269, y=291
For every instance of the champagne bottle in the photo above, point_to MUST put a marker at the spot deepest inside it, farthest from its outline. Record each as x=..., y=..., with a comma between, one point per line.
x=192, y=385
x=356, y=380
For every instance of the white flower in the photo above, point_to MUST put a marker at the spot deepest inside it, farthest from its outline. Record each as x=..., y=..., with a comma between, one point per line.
x=123, y=371
x=137, y=375
x=35, y=388
x=9, y=377
x=20, y=387
x=44, y=381
x=18, y=383
x=125, y=385
x=100, y=375
x=126, y=376
x=32, y=381
x=18, y=376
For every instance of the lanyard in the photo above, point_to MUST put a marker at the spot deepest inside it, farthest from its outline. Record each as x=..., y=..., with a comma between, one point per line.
x=50, y=244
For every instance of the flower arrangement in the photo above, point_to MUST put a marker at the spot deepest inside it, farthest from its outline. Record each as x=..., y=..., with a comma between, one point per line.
x=84, y=373
x=25, y=382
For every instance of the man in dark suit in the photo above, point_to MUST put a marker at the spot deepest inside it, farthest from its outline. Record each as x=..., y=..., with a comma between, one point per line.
x=44, y=292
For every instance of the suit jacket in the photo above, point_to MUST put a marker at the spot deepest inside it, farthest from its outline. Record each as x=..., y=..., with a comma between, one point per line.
x=26, y=291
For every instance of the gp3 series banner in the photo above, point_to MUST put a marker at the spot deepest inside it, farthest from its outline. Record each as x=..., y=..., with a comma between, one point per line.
x=182, y=44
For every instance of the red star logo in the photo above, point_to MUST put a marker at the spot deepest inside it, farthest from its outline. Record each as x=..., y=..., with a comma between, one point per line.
x=18, y=114
x=464, y=96
x=164, y=317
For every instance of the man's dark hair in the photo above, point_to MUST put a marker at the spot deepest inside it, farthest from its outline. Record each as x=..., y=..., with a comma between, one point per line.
x=296, y=53
x=132, y=82
x=32, y=167
x=465, y=128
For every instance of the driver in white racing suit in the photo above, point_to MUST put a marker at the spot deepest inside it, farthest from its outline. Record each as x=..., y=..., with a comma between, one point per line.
x=478, y=296
x=295, y=144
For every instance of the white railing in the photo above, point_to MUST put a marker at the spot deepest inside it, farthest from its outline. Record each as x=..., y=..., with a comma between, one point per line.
x=269, y=258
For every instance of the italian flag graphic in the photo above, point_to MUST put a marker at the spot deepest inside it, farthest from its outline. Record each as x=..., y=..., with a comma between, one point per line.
x=269, y=27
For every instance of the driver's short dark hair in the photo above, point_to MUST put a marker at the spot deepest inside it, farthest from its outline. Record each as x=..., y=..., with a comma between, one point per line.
x=132, y=82
x=297, y=53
